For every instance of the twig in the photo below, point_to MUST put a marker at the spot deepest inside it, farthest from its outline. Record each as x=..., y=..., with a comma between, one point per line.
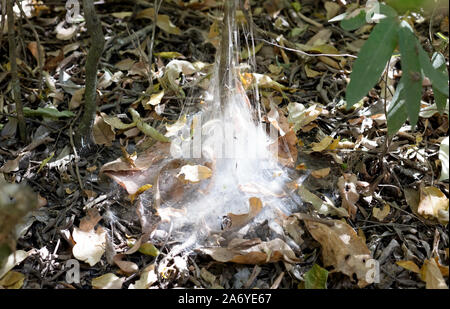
x=156, y=6
x=310, y=21
x=2, y=26
x=77, y=158
x=14, y=74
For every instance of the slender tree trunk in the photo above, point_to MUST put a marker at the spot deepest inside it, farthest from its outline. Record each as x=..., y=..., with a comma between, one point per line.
x=226, y=53
x=14, y=75
x=83, y=137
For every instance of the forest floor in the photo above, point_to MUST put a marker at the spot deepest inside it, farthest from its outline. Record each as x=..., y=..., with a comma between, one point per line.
x=360, y=192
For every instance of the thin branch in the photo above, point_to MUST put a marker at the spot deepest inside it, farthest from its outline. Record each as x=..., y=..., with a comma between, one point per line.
x=83, y=136
x=14, y=74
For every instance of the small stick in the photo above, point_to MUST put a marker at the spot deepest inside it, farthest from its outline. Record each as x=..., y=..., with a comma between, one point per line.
x=14, y=74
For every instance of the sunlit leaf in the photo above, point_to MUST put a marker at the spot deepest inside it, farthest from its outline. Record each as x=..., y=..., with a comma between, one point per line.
x=411, y=76
x=372, y=59
x=443, y=157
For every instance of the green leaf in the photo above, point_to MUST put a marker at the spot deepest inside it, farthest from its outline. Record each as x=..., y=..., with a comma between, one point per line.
x=146, y=128
x=45, y=161
x=438, y=63
x=403, y=6
x=443, y=157
x=372, y=59
x=149, y=249
x=316, y=278
x=438, y=77
x=354, y=22
x=46, y=112
x=397, y=113
x=296, y=6
x=411, y=75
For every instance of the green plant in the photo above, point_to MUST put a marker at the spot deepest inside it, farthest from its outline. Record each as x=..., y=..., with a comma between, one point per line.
x=390, y=33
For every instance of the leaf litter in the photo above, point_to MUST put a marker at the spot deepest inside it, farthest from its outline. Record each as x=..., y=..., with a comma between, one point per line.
x=345, y=175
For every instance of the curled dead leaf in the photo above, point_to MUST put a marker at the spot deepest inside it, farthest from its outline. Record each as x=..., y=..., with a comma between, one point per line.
x=245, y=251
x=342, y=248
x=238, y=221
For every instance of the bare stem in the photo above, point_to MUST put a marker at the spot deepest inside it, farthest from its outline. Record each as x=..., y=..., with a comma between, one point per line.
x=226, y=53
x=14, y=75
x=83, y=136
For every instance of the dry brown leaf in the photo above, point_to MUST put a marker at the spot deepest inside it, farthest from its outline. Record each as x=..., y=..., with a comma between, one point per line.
x=349, y=195
x=102, y=132
x=321, y=173
x=126, y=266
x=342, y=248
x=144, y=171
x=76, y=99
x=162, y=21
x=332, y=9
x=409, y=265
x=11, y=165
x=33, y=48
x=381, y=214
x=245, y=251
x=432, y=275
x=91, y=219
x=255, y=207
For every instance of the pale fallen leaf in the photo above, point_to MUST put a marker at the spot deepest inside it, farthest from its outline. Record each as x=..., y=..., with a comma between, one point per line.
x=381, y=214
x=433, y=204
x=342, y=248
x=107, y=281
x=322, y=145
x=245, y=251
x=11, y=261
x=195, y=173
x=65, y=33
x=148, y=278
x=155, y=99
x=443, y=157
x=89, y=242
x=121, y=15
x=321, y=173
x=301, y=116
x=432, y=275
